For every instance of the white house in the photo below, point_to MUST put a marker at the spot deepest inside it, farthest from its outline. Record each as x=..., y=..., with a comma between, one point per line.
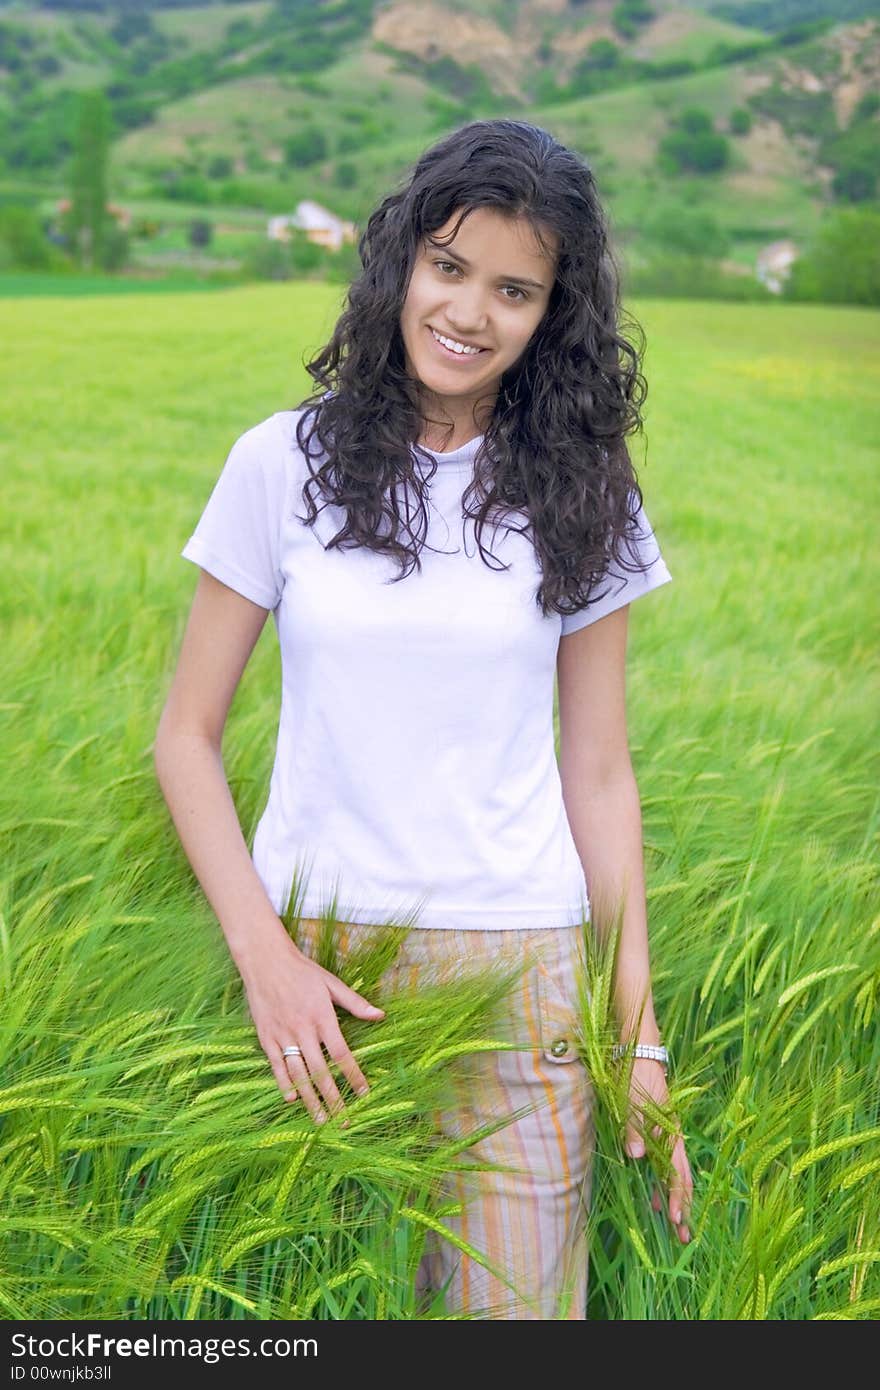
x=774, y=262
x=319, y=224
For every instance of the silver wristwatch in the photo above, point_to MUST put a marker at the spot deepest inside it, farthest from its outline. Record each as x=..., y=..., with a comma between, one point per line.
x=654, y=1054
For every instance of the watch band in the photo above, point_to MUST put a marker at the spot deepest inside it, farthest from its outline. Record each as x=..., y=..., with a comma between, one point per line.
x=648, y=1050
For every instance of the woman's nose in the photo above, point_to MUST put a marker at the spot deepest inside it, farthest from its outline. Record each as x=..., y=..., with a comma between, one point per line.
x=467, y=312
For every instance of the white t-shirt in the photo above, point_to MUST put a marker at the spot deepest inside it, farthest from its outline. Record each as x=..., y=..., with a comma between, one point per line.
x=415, y=775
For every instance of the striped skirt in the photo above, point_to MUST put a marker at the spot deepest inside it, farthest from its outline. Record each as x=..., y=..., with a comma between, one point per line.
x=528, y=1215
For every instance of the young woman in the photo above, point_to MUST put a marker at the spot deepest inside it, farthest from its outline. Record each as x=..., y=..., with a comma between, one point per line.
x=449, y=522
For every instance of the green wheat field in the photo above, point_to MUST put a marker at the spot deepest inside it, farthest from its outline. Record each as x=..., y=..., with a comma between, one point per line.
x=147, y=1166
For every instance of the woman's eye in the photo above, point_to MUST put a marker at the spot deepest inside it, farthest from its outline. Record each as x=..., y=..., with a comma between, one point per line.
x=521, y=294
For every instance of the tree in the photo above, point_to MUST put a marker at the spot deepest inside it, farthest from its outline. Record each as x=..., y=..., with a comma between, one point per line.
x=693, y=144
x=855, y=157
x=684, y=230
x=740, y=121
x=855, y=180
x=305, y=254
x=345, y=175
x=132, y=24
x=843, y=264
x=603, y=53
x=22, y=243
x=267, y=260
x=220, y=166
x=629, y=14
x=200, y=232
x=307, y=146
x=695, y=120
x=601, y=67
x=87, y=220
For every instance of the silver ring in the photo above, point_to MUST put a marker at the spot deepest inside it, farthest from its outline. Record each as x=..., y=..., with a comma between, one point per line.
x=293, y=1051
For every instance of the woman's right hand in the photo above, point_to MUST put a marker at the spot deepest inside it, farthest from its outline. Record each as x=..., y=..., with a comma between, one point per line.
x=291, y=1000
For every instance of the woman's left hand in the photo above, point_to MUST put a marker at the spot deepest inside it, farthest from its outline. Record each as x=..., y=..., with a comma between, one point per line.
x=649, y=1080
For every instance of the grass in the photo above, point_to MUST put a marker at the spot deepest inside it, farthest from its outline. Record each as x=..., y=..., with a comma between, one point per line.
x=147, y=1168
x=26, y=283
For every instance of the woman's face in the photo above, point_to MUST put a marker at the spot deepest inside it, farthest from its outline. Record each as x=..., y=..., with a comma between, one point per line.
x=488, y=289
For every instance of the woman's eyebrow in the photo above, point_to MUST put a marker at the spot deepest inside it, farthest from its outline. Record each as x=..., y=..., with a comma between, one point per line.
x=507, y=279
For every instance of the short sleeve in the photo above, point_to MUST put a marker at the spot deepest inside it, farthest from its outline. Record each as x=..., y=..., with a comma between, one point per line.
x=621, y=586
x=238, y=536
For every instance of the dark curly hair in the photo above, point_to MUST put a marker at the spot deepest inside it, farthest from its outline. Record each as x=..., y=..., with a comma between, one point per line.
x=553, y=453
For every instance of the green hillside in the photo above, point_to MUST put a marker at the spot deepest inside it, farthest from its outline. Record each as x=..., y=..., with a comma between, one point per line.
x=236, y=111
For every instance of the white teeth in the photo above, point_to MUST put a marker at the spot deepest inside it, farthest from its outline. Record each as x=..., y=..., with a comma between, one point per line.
x=455, y=347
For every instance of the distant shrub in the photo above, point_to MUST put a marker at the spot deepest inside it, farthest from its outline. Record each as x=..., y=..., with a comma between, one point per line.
x=200, y=232
x=282, y=260
x=187, y=188
x=23, y=243
x=350, y=140
x=132, y=24
x=13, y=44
x=145, y=228
x=468, y=83
x=673, y=276
x=115, y=246
x=133, y=111
x=854, y=155
x=305, y=147
x=22, y=82
x=842, y=264
x=686, y=231
x=669, y=67
x=312, y=85
x=740, y=121
x=343, y=265
x=219, y=166
x=239, y=33
x=345, y=175
x=867, y=106
x=269, y=194
x=797, y=111
x=603, y=53
x=267, y=260
x=368, y=132
x=305, y=255
x=603, y=67
x=145, y=54
x=629, y=15
x=724, y=52
x=797, y=32
x=693, y=145
x=446, y=113
x=855, y=181
x=694, y=120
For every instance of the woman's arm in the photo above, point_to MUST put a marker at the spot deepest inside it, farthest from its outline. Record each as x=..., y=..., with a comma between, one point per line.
x=602, y=804
x=220, y=635
x=290, y=998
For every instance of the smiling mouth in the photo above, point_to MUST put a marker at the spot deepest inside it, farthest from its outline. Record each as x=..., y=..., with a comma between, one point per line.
x=462, y=352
